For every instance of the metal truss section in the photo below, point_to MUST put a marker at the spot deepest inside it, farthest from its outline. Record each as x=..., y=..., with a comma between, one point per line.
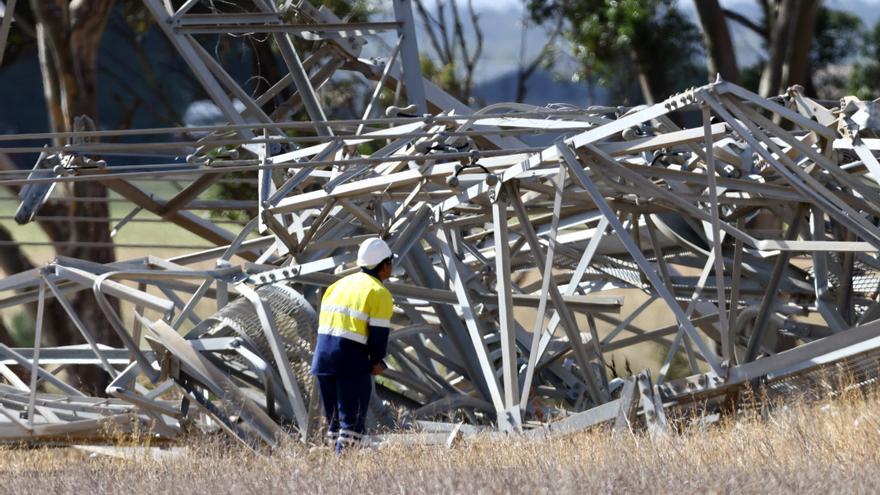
x=751, y=223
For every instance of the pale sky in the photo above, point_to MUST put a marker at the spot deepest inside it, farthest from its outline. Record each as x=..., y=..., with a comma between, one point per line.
x=503, y=35
x=497, y=4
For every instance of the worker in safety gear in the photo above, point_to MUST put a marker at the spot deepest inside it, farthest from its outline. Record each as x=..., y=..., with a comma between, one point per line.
x=353, y=331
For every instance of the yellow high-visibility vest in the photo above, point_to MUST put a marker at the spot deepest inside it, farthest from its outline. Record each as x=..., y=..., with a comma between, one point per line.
x=352, y=304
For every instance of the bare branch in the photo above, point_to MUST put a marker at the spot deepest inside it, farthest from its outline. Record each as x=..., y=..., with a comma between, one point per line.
x=478, y=32
x=427, y=20
x=448, y=38
x=547, y=49
x=526, y=70
x=449, y=51
x=746, y=22
x=459, y=38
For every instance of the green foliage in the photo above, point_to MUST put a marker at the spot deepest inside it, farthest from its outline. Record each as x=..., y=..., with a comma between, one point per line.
x=234, y=189
x=616, y=40
x=837, y=37
x=366, y=149
x=351, y=10
x=446, y=75
x=750, y=77
x=23, y=330
x=679, y=368
x=133, y=13
x=865, y=79
x=429, y=67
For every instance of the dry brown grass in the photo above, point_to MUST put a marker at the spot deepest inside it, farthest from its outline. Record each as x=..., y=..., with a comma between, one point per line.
x=813, y=448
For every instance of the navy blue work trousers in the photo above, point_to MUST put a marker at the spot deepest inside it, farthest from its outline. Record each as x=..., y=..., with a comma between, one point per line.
x=345, y=399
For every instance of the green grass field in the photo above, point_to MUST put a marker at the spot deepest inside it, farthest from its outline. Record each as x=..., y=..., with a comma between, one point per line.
x=146, y=229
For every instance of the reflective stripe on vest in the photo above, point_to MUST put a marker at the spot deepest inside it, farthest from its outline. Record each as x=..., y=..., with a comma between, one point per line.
x=332, y=308
x=342, y=332
x=378, y=322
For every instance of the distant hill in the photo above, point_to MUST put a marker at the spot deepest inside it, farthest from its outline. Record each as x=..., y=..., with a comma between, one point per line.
x=542, y=88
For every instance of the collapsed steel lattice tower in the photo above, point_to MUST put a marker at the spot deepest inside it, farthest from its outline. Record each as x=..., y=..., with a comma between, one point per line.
x=758, y=230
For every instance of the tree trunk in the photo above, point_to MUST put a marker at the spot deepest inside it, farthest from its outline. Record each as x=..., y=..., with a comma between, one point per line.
x=716, y=35
x=647, y=87
x=12, y=260
x=68, y=36
x=779, y=21
x=652, y=81
x=791, y=33
x=797, y=60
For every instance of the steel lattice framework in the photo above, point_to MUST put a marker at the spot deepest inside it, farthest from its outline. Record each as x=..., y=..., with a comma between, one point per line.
x=758, y=230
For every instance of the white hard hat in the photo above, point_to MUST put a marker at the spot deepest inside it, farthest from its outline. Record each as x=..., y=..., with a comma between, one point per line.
x=372, y=252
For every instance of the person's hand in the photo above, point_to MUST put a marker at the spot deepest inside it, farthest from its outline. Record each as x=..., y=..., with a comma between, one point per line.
x=378, y=368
